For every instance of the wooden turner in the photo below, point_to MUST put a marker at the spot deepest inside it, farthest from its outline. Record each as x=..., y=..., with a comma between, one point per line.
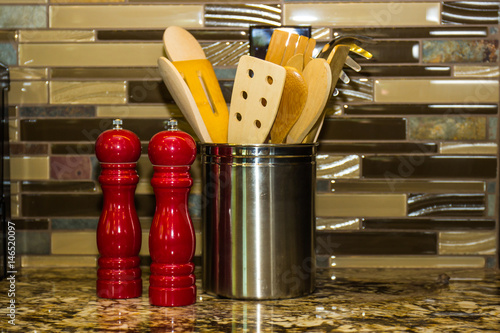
x=183, y=98
x=203, y=84
x=257, y=90
x=180, y=45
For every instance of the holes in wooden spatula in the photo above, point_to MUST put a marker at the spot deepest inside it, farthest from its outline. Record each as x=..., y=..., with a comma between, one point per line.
x=251, y=73
x=269, y=80
x=263, y=101
x=238, y=116
x=244, y=94
x=257, y=123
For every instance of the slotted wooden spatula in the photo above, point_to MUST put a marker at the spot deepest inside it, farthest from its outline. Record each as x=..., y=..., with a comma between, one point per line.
x=257, y=90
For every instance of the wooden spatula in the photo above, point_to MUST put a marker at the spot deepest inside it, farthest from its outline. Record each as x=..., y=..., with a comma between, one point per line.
x=203, y=84
x=183, y=98
x=180, y=45
x=318, y=77
x=257, y=90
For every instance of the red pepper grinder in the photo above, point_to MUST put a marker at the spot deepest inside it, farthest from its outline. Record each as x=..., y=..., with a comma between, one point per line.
x=119, y=230
x=171, y=237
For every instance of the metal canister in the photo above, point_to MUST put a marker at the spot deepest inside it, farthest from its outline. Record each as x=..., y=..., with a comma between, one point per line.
x=258, y=220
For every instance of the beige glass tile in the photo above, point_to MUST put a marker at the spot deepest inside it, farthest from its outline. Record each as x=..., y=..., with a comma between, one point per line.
x=85, y=1
x=15, y=205
x=473, y=242
x=91, y=54
x=407, y=186
x=321, y=34
x=34, y=92
x=475, y=71
x=23, y=1
x=36, y=261
x=144, y=186
x=337, y=166
x=478, y=148
x=147, y=111
x=126, y=17
x=366, y=205
x=8, y=36
x=435, y=91
x=13, y=130
x=56, y=36
x=407, y=262
x=88, y=92
x=363, y=14
x=76, y=242
x=27, y=73
x=29, y=168
x=326, y=224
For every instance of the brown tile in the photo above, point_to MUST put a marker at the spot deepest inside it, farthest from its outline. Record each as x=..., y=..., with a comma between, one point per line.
x=57, y=111
x=58, y=186
x=428, y=224
x=446, y=204
x=397, y=168
x=420, y=109
x=72, y=149
x=8, y=36
x=107, y=73
x=163, y=111
x=148, y=92
x=401, y=70
x=448, y=31
x=447, y=128
x=376, y=243
x=157, y=35
x=28, y=148
x=377, y=147
x=35, y=224
x=70, y=167
x=363, y=129
x=406, y=186
x=408, y=261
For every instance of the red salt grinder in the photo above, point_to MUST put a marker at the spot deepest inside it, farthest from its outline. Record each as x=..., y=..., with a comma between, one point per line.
x=171, y=237
x=118, y=230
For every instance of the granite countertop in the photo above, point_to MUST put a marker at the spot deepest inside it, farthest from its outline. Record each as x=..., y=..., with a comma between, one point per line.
x=346, y=300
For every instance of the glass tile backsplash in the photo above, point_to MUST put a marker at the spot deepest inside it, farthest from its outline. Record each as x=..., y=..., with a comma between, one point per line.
x=407, y=163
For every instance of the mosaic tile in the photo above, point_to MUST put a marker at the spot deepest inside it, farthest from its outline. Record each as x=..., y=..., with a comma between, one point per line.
x=334, y=166
x=148, y=92
x=364, y=14
x=360, y=205
x=391, y=52
x=57, y=111
x=447, y=128
x=376, y=243
x=58, y=186
x=145, y=73
x=420, y=109
x=129, y=17
x=491, y=205
x=28, y=149
x=410, y=261
x=471, y=242
x=397, y=168
x=72, y=149
x=8, y=54
x=405, y=186
x=8, y=36
x=446, y=204
x=363, y=129
x=401, y=70
x=15, y=200
x=90, y=54
x=242, y=15
x=377, y=32
x=32, y=242
x=58, y=261
x=67, y=167
x=478, y=148
x=357, y=90
x=29, y=168
x=470, y=12
x=436, y=91
x=88, y=92
x=428, y=224
x=492, y=128
x=36, y=224
x=225, y=53
x=13, y=130
x=85, y=1
x=325, y=224
x=76, y=242
x=491, y=187
x=26, y=73
x=19, y=17
x=377, y=147
x=475, y=71
x=23, y=1
x=74, y=224
x=56, y=36
x=459, y=51
x=28, y=92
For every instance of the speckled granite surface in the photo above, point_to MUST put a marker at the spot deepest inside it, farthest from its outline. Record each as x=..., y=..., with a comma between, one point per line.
x=63, y=300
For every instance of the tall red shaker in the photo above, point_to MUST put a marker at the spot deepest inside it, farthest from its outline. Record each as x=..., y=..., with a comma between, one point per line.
x=119, y=230
x=171, y=237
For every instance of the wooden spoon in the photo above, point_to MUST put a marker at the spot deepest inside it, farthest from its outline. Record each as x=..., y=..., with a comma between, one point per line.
x=318, y=77
x=183, y=98
x=180, y=45
x=292, y=102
